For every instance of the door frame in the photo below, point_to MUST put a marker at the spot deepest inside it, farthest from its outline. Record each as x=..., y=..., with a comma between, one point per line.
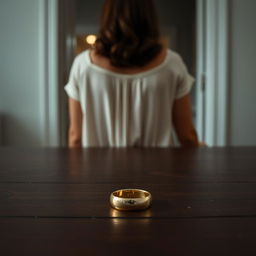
x=56, y=52
x=48, y=73
x=212, y=71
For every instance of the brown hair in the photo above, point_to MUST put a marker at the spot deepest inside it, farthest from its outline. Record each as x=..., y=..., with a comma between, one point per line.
x=129, y=34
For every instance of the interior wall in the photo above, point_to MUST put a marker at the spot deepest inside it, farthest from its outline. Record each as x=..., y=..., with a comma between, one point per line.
x=242, y=130
x=19, y=72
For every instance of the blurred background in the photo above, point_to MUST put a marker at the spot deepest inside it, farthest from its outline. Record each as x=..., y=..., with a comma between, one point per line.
x=40, y=38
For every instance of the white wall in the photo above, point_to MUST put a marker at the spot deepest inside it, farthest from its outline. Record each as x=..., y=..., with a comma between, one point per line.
x=19, y=72
x=243, y=73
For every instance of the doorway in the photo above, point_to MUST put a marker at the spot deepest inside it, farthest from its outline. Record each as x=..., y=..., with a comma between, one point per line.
x=80, y=21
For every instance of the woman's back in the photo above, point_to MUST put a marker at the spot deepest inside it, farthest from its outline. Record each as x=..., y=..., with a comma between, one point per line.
x=128, y=106
x=129, y=90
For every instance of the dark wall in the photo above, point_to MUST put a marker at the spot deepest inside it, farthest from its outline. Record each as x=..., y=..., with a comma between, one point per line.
x=88, y=12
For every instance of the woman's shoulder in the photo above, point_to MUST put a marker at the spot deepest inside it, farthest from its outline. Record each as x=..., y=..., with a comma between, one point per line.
x=81, y=63
x=174, y=57
x=82, y=58
x=176, y=62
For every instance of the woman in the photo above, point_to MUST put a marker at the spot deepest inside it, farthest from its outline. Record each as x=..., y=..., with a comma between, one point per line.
x=129, y=90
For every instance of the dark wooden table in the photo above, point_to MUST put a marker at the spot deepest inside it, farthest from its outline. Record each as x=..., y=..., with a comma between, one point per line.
x=56, y=202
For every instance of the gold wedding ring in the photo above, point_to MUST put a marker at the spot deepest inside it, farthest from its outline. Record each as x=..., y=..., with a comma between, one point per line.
x=130, y=199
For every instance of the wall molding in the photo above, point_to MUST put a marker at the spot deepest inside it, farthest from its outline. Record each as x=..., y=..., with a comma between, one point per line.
x=213, y=67
x=222, y=100
x=200, y=67
x=48, y=73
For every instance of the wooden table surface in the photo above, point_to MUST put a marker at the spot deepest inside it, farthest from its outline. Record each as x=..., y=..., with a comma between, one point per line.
x=56, y=201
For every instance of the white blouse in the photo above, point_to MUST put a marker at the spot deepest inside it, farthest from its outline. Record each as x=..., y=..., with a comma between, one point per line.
x=121, y=110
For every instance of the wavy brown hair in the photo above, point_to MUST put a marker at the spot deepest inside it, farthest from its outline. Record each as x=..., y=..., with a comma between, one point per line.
x=129, y=32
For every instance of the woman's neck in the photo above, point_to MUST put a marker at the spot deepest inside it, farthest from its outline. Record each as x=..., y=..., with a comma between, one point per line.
x=104, y=62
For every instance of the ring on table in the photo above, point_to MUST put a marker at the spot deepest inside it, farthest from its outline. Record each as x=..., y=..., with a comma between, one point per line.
x=130, y=199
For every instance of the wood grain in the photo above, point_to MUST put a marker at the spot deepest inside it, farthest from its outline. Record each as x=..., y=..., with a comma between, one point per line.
x=211, y=237
x=163, y=166
x=92, y=200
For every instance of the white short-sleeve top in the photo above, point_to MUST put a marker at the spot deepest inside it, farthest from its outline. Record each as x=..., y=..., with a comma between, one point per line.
x=121, y=110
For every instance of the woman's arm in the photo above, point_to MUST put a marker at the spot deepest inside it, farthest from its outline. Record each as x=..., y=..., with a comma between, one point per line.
x=75, y=126
x=183, y=122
